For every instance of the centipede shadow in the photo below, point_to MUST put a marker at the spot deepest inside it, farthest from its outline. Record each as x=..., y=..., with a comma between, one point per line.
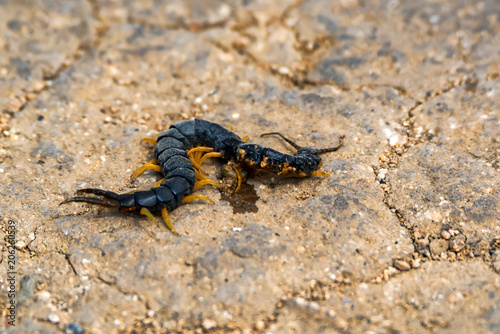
x=243, y=201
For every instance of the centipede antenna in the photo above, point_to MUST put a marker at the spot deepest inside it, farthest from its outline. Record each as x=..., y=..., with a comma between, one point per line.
x=297, y=147
x=331, y=149
x=99, y=192
x=109, y=203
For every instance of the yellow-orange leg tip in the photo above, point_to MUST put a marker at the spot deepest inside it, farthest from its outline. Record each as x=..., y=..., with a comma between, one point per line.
x=205, y=182
x=166, y=219
x=148, y=165
x=148, y=214
x=319, y=172
x=152, y=141
x=210, y=155
x=194, y=197
x=245, y=139
x=157, y=184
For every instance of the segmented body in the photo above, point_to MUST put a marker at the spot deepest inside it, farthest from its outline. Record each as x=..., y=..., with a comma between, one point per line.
x=302, y=163
x=180, y=177
x=171, y=152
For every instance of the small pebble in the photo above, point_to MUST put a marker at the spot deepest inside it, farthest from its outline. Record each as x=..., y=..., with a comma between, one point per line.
x=392, y=271
x=415, y=263
x=445, y=234
x=43, y=296
x=284, y=70
x=382, y=173
x=457, y=244
x=331, y=313
x=20, y=245
x=53, y=318
x=260, y=325
x=341, y=323
x=209, y=324
x=300, y=301
x=402, y=265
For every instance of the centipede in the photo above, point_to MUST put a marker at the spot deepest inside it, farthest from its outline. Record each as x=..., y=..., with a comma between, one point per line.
x=179, y=154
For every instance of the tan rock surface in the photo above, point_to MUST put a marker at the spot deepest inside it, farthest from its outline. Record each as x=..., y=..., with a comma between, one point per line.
x=402, y=236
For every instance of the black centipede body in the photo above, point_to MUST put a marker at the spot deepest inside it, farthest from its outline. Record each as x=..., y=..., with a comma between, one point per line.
x=171, y=152
x=171, y=147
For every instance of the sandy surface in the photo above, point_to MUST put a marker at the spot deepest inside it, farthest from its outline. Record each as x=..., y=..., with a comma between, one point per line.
x=402, y=236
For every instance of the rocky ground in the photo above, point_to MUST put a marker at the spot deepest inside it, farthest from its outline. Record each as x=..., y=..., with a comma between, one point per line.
x=402, y=236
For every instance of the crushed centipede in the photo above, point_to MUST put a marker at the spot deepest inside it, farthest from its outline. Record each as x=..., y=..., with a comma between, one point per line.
x=180, y=152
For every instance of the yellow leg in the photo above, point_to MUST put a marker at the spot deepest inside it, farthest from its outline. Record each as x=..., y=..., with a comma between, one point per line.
x=239, y=178
x=157, y=184
x=319, y=172
x=195, y=154
x=149, y=140
x=210, y=155
x=194, y=197
x=204, y=182
x=148, y=165
x=245, y=139
x=166, y=219
x=199, y=176
x=148, y=214
x=200, y=149
x=233, y=171
x=197, y=166
x=197, y=157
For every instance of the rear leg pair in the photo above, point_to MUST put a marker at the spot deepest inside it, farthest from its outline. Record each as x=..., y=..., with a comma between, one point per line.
x=111, y=199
